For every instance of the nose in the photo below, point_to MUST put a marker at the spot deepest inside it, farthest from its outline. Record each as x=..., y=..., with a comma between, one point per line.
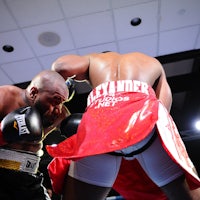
x=57, y=109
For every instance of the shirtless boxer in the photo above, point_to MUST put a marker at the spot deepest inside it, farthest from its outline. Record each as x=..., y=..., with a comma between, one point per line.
x=46, y=92
x=130, y=95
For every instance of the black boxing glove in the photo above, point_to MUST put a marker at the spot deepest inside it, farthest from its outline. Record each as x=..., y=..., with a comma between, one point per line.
x=23, y=124
x=71, y=87
x=77, y=86
x=69, y=125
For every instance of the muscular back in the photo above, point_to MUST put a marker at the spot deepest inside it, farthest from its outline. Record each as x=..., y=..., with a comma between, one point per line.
x=111, y=66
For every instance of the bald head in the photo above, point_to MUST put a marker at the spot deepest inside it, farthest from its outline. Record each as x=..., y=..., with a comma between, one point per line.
x=51, y=81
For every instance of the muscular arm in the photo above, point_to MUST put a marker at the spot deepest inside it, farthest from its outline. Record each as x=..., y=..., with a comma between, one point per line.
x=163, y=91
x=7, y=104
x=70, y=65
x=2, y=100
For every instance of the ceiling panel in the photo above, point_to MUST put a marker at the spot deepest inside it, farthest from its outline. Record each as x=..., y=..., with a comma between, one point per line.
x=5, y=80
x=24, y=71
x=79, y=8
x=178, y=40
x=28, y=13
x=197, y=43
x=56, y=37
x=149, y=45
x=98, y=48
x=179, y=13
x=47, y=60
x=6, y=20
x=125, y=3
x=147, y=12
x=22, y=50
x=92, y=29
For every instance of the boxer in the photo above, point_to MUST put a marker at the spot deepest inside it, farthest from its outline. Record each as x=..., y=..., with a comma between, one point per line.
x=21, y=140
x=127, y=113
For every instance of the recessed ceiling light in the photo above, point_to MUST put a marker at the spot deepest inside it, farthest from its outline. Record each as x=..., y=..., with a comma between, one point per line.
x=181, y=11
x=49, y=39
x=8, y=48
x=136, y=21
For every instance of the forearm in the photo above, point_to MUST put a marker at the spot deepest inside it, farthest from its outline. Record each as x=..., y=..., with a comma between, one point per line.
x=70, y=65
x=166, y=100
x=164, y=94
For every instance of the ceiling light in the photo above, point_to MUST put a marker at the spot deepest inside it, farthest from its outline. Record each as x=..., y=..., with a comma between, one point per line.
x=181, y=11
x=49, y=39
x=8, y=48
x=136, y=21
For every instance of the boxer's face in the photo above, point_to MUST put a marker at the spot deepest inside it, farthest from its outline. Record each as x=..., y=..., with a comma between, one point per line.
x=49, y=105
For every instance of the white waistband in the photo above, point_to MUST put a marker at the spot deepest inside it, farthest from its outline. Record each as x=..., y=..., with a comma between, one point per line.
x=20, y=161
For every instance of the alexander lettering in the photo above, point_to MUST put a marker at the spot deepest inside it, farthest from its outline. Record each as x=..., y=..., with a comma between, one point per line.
x=111, y=88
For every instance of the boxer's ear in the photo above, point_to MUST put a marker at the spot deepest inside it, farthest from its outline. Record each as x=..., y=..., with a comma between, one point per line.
x=33, y=92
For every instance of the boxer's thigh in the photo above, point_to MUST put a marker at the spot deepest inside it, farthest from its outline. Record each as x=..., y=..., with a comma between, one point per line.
x=158, y=165
x=100, y=170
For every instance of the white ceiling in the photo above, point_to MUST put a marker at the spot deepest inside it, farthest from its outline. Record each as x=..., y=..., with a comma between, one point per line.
x=85, y=26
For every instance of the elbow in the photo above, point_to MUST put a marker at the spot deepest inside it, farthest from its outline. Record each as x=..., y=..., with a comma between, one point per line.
x=58, y=67
x=53, y=67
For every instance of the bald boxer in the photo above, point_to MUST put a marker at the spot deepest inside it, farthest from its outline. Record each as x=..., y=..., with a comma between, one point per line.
x=20, y=153
x=127, y=117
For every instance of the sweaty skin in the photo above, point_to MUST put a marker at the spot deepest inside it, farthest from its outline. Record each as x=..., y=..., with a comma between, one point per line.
x=111, y=66
x=47, y=92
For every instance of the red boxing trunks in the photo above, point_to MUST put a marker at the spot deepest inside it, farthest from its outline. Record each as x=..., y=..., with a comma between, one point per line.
x=120, y=114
